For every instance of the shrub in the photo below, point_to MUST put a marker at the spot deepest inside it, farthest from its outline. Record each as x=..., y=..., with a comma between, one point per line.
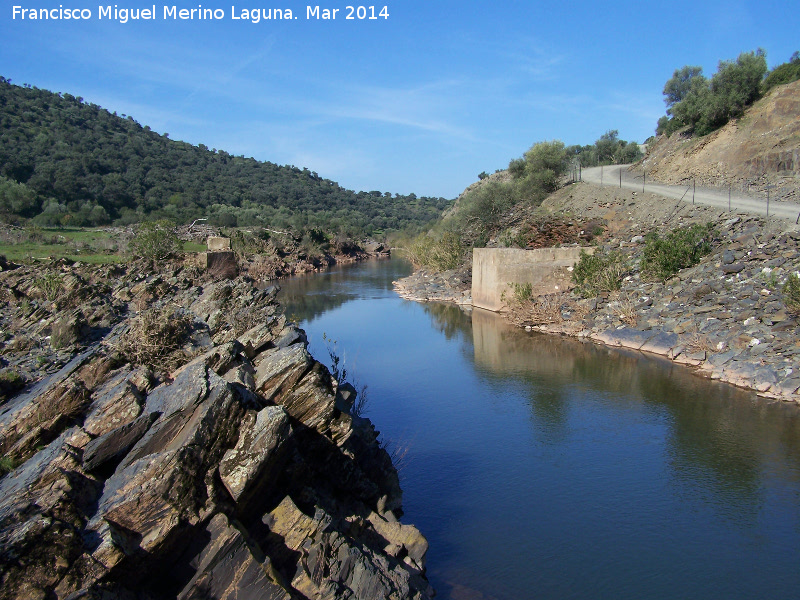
x=483, y=209
x=10, y=383
x=155, y=240
x=523, y=292
x=682, y=248
x=155, y=337
x=545, y=162
x=791, y=293
x=246, y=243
x=704, y=105
x=442, y=254
x=313, y=244
x=599, y=272
x=783, y=74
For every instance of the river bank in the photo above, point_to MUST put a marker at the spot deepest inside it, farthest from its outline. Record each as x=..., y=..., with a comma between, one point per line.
x=167, y=434
x=723, y=317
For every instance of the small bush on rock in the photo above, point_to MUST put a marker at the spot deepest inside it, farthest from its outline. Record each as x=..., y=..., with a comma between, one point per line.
x=51, y=285
x=155, y=338
x=680, y=249
x=522, y=292
x=791, y=293
x=599, y=272
x=7, y=464
x=155, y=241
x=10, y=383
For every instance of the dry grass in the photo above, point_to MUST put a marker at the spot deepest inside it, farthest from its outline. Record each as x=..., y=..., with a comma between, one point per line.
x=155, y=338
x=540, y=310
x=626, y=310
x=261, y=268
x=699, y=342
x=69, y=405
x=398, y=453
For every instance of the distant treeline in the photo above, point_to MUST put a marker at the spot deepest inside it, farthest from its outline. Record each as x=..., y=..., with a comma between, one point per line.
x=67, y=162
x=702, y=105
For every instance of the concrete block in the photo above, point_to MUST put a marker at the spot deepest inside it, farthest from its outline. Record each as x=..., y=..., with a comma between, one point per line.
x=218, y=243
x=494, y=269
x=216, y=260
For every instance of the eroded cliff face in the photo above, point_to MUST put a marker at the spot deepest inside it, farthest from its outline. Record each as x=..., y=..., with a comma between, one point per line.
x=242, y=474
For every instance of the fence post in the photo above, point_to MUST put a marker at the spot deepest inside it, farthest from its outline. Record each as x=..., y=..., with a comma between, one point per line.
x=694, y=188
x=601, y=175
x=729, y=197
x=620, y=178
x=644, y=178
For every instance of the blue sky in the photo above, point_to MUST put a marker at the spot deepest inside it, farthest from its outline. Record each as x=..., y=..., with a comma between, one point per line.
x=420, y=102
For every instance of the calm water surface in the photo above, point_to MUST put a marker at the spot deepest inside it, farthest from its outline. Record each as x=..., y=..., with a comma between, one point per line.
x=541, y=467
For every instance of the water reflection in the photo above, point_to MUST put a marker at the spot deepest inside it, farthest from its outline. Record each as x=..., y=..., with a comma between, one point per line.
x=306, y=297
x=449, y=320
x=713, y=427
x=546, y=467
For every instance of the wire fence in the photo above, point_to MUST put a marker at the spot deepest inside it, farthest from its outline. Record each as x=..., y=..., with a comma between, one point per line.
x=750, y=196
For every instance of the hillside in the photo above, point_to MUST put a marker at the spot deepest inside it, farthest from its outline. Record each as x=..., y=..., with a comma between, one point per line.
x=761, y=149
x=65, y=161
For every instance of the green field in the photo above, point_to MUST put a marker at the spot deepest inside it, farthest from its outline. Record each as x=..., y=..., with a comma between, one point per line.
x=95, y=246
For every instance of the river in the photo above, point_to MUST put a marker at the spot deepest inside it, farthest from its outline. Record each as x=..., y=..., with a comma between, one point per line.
x=540, y=467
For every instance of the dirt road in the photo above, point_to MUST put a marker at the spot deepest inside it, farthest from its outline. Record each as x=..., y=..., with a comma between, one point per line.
x=610, y=176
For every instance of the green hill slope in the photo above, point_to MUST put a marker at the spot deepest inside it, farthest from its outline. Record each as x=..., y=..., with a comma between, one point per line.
x=64, y=161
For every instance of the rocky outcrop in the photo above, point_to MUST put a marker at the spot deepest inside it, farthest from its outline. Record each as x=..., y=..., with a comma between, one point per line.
x=236, y=476
x=425, y=285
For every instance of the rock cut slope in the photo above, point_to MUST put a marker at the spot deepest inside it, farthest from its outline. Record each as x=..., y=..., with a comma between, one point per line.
x=761, y=149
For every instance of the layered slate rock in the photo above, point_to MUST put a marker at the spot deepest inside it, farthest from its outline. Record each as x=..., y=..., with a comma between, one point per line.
x=333, y=568
x=237, y=476
x=227, y=568
x=259, y=455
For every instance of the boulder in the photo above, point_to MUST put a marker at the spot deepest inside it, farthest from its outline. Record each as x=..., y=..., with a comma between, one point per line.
x=401, y=540
x=115, y=444
x=340, y=564
x=279, y=369
x=116, y=403
x=258, y=338
x=41, y=505
x=228, y=569
x=259, y=454
x=200, y=411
